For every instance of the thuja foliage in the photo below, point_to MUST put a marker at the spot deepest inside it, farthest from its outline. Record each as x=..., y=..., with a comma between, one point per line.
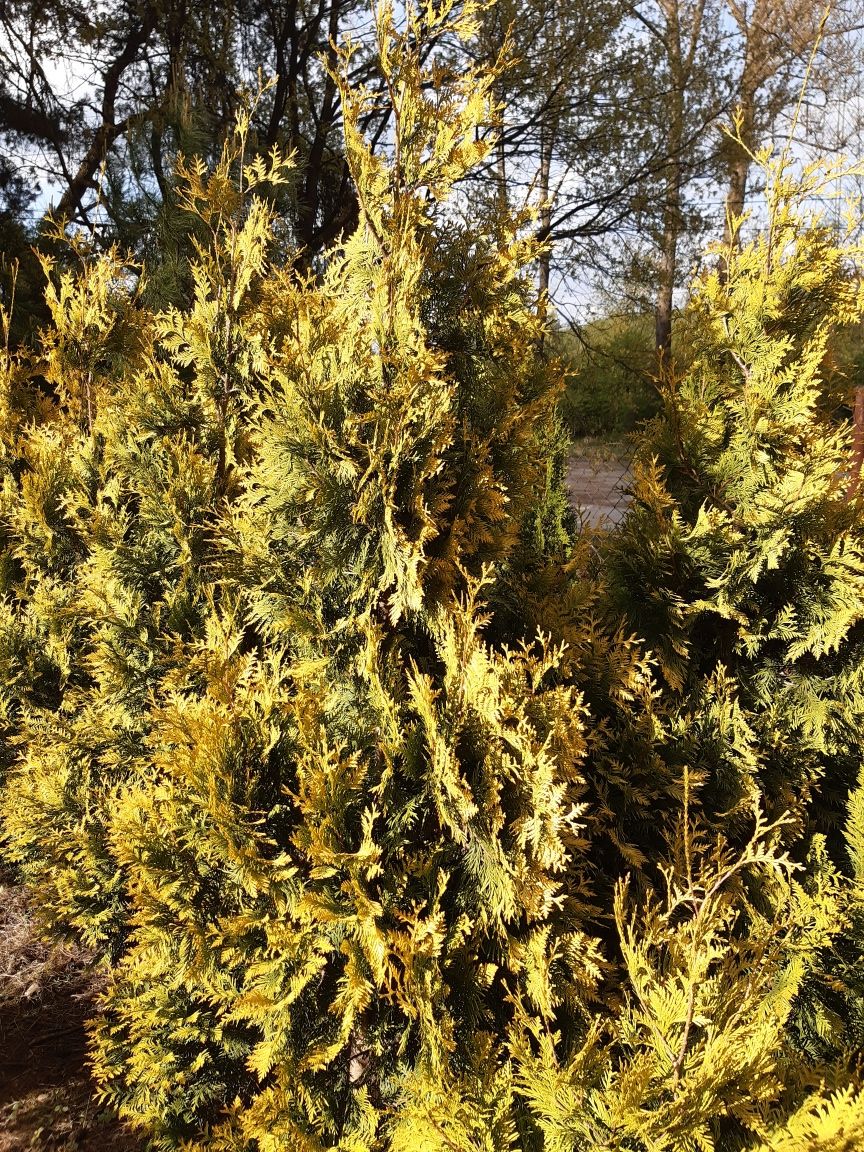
x=322, y=733
x=748, y=581
x=741, y=563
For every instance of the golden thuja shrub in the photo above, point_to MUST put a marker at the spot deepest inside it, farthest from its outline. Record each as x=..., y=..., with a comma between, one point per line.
x=388, y=832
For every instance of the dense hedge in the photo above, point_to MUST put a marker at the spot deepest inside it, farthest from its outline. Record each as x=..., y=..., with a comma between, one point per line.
x=398, y=817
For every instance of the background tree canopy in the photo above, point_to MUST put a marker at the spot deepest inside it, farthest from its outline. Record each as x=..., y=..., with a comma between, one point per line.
x=610, y=120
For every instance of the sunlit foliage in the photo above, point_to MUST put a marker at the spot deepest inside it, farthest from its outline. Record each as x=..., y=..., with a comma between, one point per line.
x=397, y=821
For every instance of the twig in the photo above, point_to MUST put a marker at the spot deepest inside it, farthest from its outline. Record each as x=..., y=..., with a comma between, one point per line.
x=685, y=1039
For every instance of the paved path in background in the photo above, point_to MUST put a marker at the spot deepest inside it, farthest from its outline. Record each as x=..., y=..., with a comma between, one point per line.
x=596, y=482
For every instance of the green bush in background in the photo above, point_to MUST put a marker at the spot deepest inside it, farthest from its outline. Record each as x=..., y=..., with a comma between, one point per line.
x=609, y=368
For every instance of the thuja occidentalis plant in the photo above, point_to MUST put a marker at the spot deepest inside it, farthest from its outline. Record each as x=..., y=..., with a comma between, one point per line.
x=392, y=823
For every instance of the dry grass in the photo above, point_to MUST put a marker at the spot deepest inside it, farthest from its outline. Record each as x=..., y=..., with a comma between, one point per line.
x=28, y=968
x=46, y=1099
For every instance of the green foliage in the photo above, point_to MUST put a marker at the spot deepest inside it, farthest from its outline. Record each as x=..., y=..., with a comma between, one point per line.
x=318, y=825
x=610, y=386
x=747, y=578
x=741, y=563
x=696, y=1049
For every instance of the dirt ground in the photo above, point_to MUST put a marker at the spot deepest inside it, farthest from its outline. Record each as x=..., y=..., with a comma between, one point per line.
x=597, y=475
x=46, y=1099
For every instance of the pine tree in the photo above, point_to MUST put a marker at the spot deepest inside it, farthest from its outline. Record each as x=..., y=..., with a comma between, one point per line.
x=741, y=562
x=26, y=665
x=51, y=508
x=108, y=516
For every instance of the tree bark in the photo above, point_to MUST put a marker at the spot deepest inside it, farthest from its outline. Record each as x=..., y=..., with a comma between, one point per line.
x=668, y=269
x=109, y=130
x=736, y=192
x=680, y=47
x=857, y=444
x=545, y=229
x=738, y=165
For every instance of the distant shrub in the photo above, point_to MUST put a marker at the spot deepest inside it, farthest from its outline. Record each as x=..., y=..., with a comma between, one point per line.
x=609, y=383
x=610, y=387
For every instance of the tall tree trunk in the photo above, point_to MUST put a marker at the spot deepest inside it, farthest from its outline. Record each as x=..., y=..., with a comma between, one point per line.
x=736, y=192
x=738, y=166
x=671, y=230
x=544, y=270
x=501, y=164
x=666, y=285
x=857, y=444
x=108, y=131
x=681, y=55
